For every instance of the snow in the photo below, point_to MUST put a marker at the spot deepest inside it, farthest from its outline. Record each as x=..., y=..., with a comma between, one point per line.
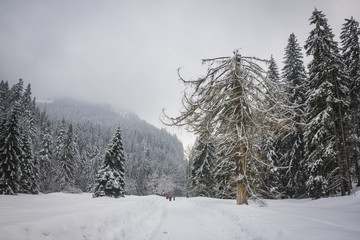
x=79, y=216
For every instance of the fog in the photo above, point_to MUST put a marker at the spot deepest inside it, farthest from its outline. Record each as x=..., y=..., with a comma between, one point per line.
x=126, y=53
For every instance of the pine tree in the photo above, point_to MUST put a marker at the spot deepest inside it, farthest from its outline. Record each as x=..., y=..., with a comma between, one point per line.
x=273, y=71
x=4, y=92
x=87, y=168
x=60, y=135
x=326, y=151
x=67, y=162
x=293, y=73
x=60, y=139
x=224, y=187
x=15, y=95
x=36, y=176
x=10, y=153
x=202, y=181
x=110, y=178
x=28, y=183
x=96, y=159
x=274, y=145
x=351, y=55
x=27, y=114
x=45, y=160
x=350, y=48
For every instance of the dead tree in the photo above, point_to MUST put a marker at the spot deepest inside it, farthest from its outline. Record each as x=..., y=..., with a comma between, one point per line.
x=235, y=105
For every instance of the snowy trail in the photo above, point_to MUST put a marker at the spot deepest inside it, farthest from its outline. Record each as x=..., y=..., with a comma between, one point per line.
x=184, y=219
x=80, y=217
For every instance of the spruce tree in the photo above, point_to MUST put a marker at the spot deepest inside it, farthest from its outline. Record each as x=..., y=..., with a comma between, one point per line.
x=273, y=71
x=351, y=55
x=10, y=153
x=46, y=160
x=224, y=186
x=4, y=91
x=326, y=151
x=294, y=75
x=28, y=183
x=202, y=180
x=110, y=178
x=27, y=114
x=274, y=144
x=15, y=95
x=60, y=135
x=67, y=162
x=60, y=139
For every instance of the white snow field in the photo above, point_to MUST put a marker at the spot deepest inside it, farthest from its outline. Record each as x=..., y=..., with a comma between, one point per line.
x=79, y=216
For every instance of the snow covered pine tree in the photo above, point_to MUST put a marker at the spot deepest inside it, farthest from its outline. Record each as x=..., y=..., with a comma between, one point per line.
x=67, y=162
x=27, y=179
x=10, y=153
x=110, y=178
x=326, y=149
x=46, y=159
x=293, y=73
x=351, y=55
x=203, y=157
x=273, y=147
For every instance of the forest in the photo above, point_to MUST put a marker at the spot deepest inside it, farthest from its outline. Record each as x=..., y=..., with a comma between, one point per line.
x=61, y=144
x=270, y=133
x=262, y=132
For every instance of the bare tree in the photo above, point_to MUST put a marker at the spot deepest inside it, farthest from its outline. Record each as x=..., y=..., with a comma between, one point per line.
x=238, y=107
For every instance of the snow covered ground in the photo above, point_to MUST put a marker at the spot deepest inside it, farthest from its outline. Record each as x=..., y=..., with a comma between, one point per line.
x=79, y=216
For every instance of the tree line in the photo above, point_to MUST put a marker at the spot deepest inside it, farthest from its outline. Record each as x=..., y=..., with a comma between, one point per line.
x=271, y=134
x=63, y=146
x=261, y=133
x=31, y=159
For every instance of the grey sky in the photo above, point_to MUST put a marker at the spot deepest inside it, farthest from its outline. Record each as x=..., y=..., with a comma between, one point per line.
x=126, y=53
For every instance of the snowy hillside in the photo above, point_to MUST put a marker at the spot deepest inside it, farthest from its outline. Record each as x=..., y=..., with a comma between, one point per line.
x=145, y=145
x=71, y=216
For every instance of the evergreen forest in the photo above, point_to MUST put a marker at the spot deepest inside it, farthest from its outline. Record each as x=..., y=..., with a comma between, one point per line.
x=265, y=132
x=262, y=132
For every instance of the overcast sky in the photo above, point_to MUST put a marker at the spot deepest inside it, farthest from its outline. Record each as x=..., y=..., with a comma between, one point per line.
x=126, y=53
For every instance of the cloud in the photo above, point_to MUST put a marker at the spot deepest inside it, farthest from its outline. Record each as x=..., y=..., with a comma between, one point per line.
x=126, y=53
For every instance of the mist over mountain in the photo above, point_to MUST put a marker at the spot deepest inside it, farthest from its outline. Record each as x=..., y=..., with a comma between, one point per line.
x=154, y=158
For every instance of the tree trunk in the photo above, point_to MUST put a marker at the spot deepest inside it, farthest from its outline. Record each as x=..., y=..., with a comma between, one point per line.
x=356, y=146
x=240, y=165
x=240, y=185
x=341, y=172
x=240, y=193
x=344, y=143
x=357, y=169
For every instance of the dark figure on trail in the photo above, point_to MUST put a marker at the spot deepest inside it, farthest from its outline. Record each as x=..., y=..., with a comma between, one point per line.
x=174, y=197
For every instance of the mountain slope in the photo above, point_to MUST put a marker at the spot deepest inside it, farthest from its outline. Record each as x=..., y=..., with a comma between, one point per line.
x=152, y=154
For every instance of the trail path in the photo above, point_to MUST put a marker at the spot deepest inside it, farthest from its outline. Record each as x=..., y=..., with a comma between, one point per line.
x=184, y=219
x=80, y=217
